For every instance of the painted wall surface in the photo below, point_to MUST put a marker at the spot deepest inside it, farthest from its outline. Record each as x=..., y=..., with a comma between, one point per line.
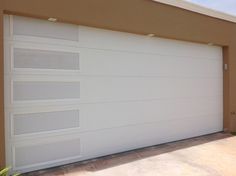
x=134, y=16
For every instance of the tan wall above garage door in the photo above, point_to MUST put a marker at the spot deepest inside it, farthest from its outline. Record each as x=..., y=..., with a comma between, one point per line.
x=134, y=16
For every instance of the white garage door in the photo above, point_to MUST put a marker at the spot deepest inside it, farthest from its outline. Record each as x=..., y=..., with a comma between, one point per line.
x=74, y=92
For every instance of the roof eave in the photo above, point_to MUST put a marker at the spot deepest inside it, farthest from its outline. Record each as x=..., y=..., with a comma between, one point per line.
x=199, y=9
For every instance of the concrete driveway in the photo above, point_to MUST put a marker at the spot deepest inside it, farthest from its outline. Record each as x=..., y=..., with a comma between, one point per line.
x=211, y=155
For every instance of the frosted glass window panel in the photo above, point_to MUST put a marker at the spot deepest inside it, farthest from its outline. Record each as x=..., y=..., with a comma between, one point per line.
x=42, y=153
x=23, y=91
x=45, y=121
x=43, y=28
x=40, y=59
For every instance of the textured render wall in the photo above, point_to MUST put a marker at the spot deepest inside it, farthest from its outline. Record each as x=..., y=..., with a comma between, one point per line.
x=135, y=16
x=231, y=91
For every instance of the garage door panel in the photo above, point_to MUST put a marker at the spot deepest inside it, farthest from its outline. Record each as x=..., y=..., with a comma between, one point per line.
x=130, y=137
x=108, y=115
x=100, y=62
x=121, y=89
x=106, y=39
x=99, y=38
